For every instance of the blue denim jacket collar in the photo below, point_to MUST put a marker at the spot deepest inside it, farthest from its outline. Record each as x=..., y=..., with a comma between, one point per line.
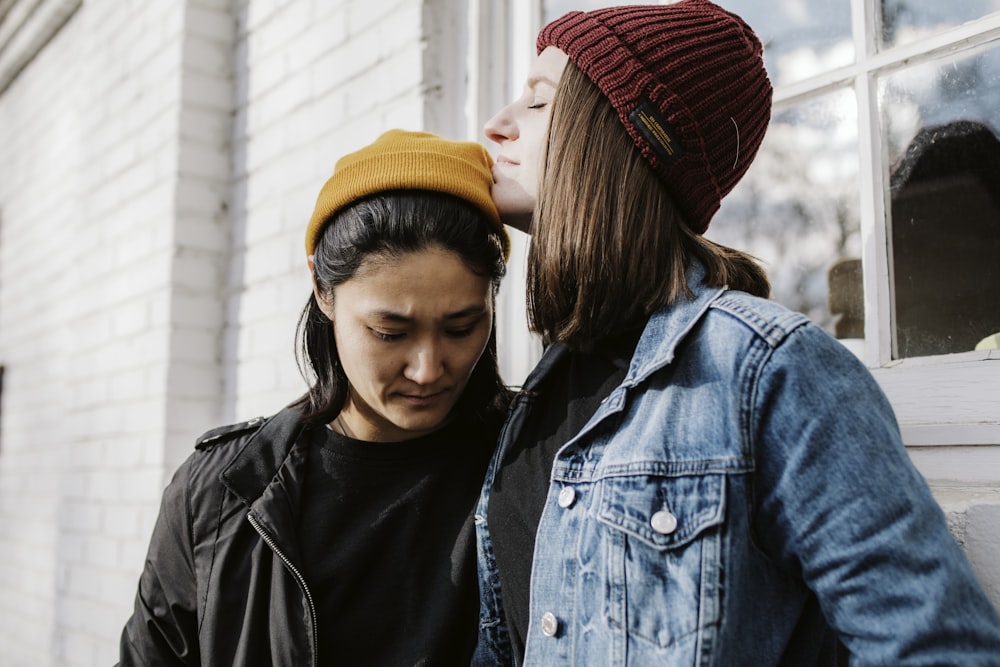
x=664, y=332
x=668, y=327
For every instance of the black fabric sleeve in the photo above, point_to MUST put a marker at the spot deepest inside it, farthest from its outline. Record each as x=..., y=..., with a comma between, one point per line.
x=163, y=629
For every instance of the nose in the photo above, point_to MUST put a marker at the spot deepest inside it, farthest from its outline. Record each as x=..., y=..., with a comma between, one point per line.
x=502, y=126
x=425, y=365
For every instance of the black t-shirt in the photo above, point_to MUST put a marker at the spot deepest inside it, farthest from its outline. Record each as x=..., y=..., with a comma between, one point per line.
x=567, y=398
x=388, y=545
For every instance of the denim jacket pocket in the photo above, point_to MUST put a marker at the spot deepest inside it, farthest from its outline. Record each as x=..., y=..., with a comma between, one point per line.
x=664, y=540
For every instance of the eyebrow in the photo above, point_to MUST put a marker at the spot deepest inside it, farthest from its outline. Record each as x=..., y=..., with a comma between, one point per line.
x=392, y=316
x=535, y=80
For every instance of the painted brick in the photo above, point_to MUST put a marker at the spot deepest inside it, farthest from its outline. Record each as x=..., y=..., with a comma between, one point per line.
x=283, y=30
x=190, y=416
x=208, y=20
x=267, y=147
x=344, y=64
x=177, y=149
x=194, y=309
x=362, y=15
x=317, y=39
x=279, y=257
x=134, y=487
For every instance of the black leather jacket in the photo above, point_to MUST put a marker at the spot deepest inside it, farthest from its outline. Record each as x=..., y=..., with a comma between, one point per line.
x=221, y=585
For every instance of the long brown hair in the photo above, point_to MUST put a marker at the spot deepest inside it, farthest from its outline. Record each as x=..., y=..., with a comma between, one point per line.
x=609, y=245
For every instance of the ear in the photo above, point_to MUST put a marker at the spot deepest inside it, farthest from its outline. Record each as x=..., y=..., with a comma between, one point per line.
x=325, y=305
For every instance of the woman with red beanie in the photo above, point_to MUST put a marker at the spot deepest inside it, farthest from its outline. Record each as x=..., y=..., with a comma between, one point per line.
x=692, y=474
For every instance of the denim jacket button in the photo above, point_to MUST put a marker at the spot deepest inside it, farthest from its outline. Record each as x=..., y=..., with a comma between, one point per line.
x=550, y=624
x=664, y=522
x=566, y=497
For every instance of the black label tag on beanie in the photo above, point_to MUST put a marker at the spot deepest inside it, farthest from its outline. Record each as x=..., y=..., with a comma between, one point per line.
x=654, y=127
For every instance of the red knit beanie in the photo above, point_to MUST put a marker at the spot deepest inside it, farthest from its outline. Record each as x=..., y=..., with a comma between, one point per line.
x=689, y=85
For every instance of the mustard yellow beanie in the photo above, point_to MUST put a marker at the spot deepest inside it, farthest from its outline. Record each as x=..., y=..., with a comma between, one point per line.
x=401, y=160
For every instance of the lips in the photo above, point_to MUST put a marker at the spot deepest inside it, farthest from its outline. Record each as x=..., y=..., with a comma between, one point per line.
x=424, y=399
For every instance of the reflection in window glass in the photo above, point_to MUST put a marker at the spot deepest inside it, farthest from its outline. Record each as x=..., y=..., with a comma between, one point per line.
x=797, y=210
x=553, y=9
x=905, y=21
x=801, y=38
x=941, y=122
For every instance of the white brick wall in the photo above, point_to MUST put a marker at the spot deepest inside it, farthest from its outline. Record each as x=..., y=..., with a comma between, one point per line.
x=201, y=227
x=161, y=160
x=114, y=245
x=85, y=192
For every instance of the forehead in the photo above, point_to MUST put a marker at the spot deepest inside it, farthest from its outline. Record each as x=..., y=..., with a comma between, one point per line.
x=432, y=282
x=548, y=67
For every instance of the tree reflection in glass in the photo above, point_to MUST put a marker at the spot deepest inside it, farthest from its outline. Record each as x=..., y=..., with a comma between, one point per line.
x=797, y=210
x=906, y=21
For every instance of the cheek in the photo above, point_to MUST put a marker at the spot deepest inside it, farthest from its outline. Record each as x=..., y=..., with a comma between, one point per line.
x=535, y=136
x=471, y=354
x=363, y=361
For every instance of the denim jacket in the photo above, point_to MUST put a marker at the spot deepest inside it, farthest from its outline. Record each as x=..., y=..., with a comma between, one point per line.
x=742, y=498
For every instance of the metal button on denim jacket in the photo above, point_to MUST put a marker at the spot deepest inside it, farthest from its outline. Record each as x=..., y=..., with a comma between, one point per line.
x=741, y=493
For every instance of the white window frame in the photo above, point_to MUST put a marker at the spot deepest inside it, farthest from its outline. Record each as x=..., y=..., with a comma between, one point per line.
x=950, y=401
x=501, y=50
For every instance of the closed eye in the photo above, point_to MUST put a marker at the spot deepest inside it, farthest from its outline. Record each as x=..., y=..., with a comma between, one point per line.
x=385, y=336
x=461, y=333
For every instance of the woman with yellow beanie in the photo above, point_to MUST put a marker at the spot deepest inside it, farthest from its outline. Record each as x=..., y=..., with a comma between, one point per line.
x=340, y=530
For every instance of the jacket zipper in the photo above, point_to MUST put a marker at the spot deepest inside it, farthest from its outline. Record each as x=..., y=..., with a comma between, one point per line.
x=269, y=541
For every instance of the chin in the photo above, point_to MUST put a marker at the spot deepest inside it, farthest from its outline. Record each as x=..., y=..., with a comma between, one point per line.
x=520, y=221
x=516, y=214
x=419, y=424
x=513, y=203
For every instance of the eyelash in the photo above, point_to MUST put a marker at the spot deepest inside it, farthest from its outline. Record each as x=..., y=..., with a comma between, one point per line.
x=454, y=333
x=537, y=105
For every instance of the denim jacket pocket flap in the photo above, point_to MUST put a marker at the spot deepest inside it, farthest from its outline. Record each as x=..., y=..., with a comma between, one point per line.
x=664, y=512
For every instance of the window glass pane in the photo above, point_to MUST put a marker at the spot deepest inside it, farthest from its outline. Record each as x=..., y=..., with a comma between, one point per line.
x=553, y=9
x=801, y=37
x=905, y=21
x=940, y=121
x=797, y=210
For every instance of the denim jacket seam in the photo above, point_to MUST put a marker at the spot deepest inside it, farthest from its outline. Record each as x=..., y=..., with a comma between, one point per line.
x=772, y=331
x=756, y=366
